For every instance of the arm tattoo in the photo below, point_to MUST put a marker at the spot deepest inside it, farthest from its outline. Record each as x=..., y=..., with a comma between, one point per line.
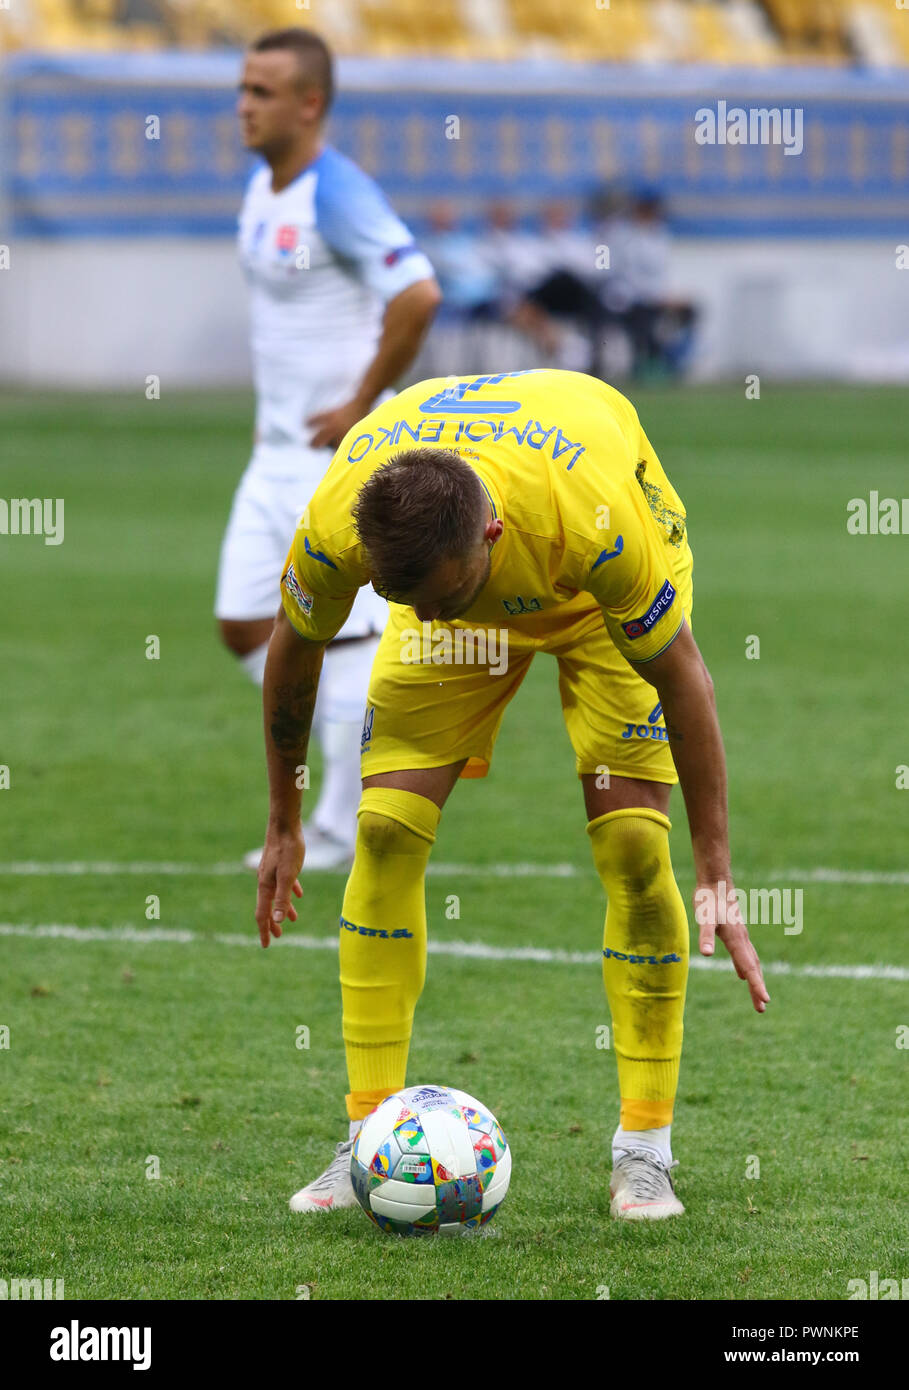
x=673, y=732
x=291, y=719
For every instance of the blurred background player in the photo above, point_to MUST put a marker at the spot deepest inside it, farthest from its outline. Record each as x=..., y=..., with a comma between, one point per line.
x=323, y=254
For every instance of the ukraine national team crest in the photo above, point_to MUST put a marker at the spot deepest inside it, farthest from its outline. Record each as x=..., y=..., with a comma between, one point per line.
x=366, y=737
x=286, y=240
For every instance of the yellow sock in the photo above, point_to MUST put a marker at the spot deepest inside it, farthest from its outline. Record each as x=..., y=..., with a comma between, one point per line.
x=383, y=941
x=645, y=960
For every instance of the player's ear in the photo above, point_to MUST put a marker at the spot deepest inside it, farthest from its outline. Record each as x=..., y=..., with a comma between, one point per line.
x=494, y=529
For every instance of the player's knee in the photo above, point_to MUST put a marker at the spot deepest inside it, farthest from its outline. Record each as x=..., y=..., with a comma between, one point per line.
x=629, y=853
x=379, y=835
x=239, y=637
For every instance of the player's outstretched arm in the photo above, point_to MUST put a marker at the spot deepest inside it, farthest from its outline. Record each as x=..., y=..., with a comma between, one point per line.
x=689, y=710
x=288, y=701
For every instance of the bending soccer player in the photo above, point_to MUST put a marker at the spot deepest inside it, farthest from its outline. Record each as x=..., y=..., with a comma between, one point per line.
x=530, y=506
x=340, y=299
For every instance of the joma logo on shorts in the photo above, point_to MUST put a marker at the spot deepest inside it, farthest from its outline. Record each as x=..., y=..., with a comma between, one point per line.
x=650, y=729
x=656, y=731
x=374, y=931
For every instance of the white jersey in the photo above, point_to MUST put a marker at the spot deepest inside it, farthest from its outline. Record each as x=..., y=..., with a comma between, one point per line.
x=322, y=258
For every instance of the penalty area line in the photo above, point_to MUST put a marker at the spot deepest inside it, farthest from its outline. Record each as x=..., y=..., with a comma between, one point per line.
x=473, y=950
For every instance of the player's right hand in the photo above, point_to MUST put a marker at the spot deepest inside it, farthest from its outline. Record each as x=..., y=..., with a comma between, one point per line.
x=717, y=913
x=279, y=867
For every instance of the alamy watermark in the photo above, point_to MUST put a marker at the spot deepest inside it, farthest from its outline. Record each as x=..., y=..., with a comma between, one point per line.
x=876, y=1288
x=878, y=516
x=31, y=1289
x=758, y=125
x=78, y=1343
x=761, y=907
x=32, y=516
x=459, y=646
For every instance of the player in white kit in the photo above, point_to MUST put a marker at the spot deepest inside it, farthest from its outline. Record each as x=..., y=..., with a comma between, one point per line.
x=340, y=299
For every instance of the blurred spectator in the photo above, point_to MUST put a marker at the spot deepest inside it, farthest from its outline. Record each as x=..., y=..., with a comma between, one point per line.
x=565, y=246
x=467, y=281
x=562, y=312
x=515, y=257
x=591, y=297
x=636, y=290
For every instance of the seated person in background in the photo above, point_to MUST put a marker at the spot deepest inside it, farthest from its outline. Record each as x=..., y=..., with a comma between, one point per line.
x=467, y=281
x=566, y=293
x=636, y=292
x=514, y=257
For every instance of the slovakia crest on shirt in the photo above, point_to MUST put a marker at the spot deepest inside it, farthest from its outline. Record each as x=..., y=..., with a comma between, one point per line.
x=286, y=240
x=399, y=253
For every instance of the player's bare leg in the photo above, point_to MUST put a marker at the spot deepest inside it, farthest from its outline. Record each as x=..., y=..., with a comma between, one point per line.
x=644, y=969
x=330, y=832
x=383, y=951
x=248, y=639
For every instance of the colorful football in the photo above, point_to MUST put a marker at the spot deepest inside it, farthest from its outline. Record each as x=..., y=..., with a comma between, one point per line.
x=430, y=1160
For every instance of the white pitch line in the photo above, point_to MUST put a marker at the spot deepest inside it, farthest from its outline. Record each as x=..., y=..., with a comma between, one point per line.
x=897, y=877
x=102, y=868
x=475, y=950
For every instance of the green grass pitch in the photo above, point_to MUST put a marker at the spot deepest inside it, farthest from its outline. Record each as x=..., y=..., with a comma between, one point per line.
x=124, y=1050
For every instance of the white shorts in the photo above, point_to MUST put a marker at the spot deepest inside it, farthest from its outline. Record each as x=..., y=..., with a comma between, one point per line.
x=268, y=503
x=343, y=684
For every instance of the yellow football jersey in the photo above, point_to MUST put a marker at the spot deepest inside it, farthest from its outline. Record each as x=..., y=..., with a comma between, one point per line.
x=590, y=518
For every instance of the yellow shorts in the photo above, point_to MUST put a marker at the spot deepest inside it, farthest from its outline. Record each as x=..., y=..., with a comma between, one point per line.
x=427, y=708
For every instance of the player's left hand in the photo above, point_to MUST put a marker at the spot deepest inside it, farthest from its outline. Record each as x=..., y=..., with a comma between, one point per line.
x=330, y=426
x=279, y=867
x=717, y=913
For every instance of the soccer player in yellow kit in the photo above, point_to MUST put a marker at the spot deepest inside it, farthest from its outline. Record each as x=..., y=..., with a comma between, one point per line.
x=512, y=514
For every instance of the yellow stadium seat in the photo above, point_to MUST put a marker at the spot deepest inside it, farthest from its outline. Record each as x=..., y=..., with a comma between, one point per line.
x=717, y=31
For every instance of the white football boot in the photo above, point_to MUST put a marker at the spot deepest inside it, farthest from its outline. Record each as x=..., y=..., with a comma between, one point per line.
x=323, y=851
x=641, y=1187
x=332, y=1189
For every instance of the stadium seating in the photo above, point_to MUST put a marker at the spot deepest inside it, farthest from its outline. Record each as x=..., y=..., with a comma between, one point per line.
x=879, y=33
x=753, y=33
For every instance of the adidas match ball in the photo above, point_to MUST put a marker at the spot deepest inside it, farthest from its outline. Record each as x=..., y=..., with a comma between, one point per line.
x=430, y=1160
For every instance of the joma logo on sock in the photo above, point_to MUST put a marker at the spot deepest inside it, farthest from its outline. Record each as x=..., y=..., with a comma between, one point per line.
x=374, y=931
x=75, y=1343
x=642, y=960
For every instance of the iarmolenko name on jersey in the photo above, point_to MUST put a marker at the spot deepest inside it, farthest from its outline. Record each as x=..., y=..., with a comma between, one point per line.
x=532, y=435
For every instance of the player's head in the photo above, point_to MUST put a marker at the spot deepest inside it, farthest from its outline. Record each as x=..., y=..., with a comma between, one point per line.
x=286, y=89
x=427, y=527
